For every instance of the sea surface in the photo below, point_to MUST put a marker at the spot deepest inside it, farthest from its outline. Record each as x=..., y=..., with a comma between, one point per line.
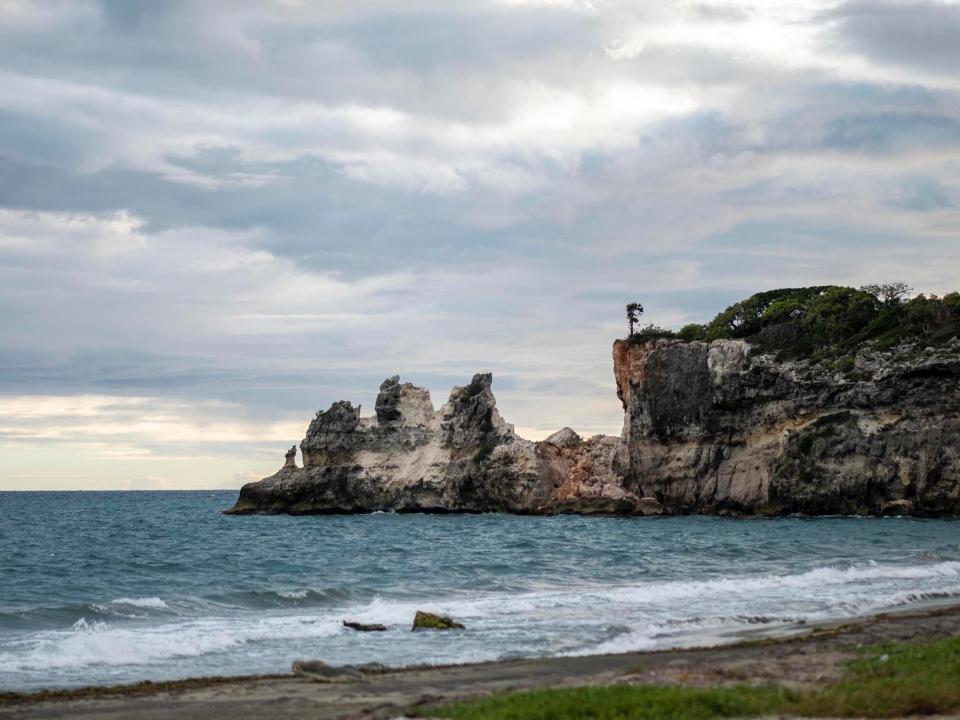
x=104, y=587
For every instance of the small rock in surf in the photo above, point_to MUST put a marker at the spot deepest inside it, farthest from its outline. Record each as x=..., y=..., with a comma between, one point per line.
x=429, y=621
x=364, y=627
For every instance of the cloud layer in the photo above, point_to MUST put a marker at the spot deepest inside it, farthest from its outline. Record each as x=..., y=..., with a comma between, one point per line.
x=231, y=216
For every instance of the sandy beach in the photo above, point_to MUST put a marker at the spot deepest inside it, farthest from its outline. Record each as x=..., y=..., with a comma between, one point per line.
x=812, y=657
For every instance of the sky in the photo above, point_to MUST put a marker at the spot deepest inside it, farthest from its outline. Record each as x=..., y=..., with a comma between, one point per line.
x=217, y=218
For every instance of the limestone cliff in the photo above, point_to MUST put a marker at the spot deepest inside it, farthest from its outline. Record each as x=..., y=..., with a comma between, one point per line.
x=713, y=427
x=409, y=457
x=708, y=428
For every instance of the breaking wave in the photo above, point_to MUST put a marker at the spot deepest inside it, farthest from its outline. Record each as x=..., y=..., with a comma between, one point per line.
x=147, y=602
x=93, y=643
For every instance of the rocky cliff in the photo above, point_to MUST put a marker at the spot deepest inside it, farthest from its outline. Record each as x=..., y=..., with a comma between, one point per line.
x=708, y=428
x=713, y=427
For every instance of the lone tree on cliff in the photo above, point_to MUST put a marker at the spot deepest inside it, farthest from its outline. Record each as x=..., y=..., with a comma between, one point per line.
x=634, y=311
x=889, y=293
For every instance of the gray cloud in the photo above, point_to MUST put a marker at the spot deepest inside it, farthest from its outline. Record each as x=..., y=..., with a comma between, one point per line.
x=915, y=34
x=885, y=132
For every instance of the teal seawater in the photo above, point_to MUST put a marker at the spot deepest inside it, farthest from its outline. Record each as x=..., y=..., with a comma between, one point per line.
x=102, y=587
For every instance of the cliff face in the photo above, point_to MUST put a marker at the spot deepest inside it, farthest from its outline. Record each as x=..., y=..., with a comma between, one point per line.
x=708, y=427
x=716, y=428
x=460, y=458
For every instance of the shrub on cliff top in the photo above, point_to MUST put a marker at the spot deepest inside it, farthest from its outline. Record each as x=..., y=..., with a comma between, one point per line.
x=693, y=331
x=651, y=332
x=800, y=322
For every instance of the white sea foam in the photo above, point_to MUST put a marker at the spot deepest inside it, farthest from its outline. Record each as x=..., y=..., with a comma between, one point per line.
x=105, y=644
x=658, y=614
x=820, y=581
x=634, y=641
x=867, y=586
x=569, y=620
x=144, y=602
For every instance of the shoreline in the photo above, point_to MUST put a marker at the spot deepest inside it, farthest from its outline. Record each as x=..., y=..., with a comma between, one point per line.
x=798, y=655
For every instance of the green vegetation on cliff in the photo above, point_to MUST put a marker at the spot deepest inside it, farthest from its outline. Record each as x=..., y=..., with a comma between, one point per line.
x=891, y=681
x=802, y=322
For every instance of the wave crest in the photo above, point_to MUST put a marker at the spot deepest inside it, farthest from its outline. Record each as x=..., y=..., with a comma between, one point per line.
x=144, y=602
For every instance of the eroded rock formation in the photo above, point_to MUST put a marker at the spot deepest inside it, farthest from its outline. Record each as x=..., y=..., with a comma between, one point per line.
x=464, y=457
x=708, y=428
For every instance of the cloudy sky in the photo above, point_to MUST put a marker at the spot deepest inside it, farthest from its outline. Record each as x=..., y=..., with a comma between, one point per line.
x=218, y=217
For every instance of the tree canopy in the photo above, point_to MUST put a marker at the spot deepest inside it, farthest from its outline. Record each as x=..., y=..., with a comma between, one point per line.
x=801, y=322
x=634, y=311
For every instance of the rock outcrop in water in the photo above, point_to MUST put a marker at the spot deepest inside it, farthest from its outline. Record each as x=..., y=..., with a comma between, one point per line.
x=708, y=428
x=409, y=457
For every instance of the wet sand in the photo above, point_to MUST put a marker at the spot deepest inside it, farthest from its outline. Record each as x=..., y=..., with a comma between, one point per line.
x=810, y=657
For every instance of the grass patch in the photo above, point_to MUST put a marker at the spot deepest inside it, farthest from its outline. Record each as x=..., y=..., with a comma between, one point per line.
x=621, y=702
x=891, y=681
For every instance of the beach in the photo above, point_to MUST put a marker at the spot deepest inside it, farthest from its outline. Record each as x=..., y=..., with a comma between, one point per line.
x=813, y=657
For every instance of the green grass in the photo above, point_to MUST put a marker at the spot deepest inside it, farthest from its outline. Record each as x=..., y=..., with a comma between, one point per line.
x=620, y=702
x=892, y=681
x=895, y=680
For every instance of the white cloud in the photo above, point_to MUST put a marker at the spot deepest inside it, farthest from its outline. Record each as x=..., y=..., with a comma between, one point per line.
x=137, y=424
x=245, y=476
x=150, y=482
x=587, y=5
x=42, y=234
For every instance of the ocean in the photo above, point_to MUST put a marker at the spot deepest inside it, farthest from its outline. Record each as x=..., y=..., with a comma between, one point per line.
x=114, y=587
